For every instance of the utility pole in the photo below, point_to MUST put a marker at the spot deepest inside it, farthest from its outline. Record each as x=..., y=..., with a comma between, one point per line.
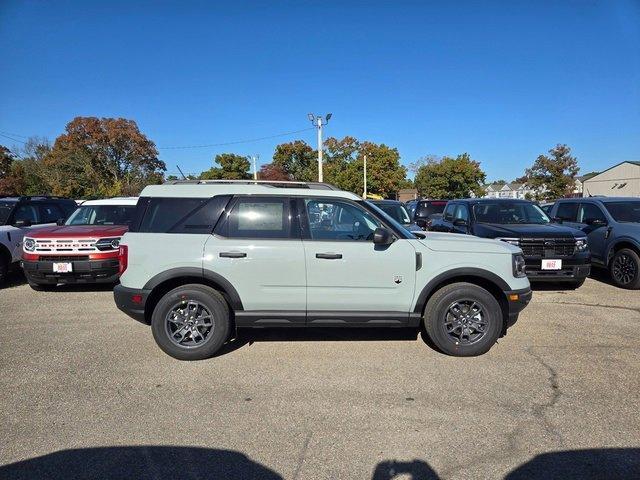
x=318, y=122
x=255, y=158
x=364, y=194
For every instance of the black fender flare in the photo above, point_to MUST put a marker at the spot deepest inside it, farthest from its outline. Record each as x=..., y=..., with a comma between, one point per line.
x=209, y=276
x=468, y=272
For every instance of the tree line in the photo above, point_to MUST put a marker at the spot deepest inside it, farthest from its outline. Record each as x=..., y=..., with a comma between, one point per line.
x=101, y=157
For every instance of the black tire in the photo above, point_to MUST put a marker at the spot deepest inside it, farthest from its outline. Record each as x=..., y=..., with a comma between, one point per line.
x=438, y=315
x=41, y=287
x=625, y=269
x=211, y=302
x=4, y=268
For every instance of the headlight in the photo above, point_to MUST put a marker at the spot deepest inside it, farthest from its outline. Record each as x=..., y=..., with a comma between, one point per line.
x=519, y=266
x=29, y=244
x=581, y=244
x=512, y=241
x=108, y=244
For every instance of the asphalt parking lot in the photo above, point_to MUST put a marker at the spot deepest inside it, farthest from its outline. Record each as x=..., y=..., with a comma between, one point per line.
x=85, y=393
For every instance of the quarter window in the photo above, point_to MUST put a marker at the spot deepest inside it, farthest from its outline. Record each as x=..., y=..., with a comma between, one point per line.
x=164, y=214
x=338, y=220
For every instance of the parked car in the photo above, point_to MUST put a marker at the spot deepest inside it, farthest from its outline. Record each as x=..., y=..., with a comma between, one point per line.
x=552, y=252
x=84, y=249
x=424, y=212
x=612, y=225
x=204, y=258
x=23, y=215
x=398, y=212
x=546, y=207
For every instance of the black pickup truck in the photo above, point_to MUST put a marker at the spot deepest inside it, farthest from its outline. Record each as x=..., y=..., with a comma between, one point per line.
x=552, y=252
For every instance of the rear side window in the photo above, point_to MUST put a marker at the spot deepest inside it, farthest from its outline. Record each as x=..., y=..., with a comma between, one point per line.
x=258, y=217
x=26, y=212
x=567, y=211
x=589, y=211
x=50, y=213
x=181, y=215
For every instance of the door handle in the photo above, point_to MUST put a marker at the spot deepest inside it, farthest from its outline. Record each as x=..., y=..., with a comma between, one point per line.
x=329, y=256
x=233, y=254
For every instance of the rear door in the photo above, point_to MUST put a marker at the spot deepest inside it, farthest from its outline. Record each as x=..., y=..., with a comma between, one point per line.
x=257, y=248
x=351, y=281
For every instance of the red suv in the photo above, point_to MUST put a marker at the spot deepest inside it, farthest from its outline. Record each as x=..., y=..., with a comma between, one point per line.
x=84, y=249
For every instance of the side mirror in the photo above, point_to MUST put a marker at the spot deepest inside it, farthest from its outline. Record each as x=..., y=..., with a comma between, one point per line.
x=595, y=222
x=556, y=220
x=382, y=236
x=421, y=222
x=60, y=222
x=460, y=222
x=22, y=223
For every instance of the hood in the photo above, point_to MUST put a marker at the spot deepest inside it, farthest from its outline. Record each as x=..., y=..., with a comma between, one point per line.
x=80, y=231
x=453, y=242
x=549, y=230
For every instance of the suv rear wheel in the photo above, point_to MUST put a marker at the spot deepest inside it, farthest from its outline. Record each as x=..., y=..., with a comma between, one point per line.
x=625, y=269
x=463, y=319
x=191, y=322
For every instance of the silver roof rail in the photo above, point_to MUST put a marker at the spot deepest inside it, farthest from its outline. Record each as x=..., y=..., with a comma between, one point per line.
x=267, y=183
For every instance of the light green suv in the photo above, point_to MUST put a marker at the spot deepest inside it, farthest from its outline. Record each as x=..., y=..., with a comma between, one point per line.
x=205, y=258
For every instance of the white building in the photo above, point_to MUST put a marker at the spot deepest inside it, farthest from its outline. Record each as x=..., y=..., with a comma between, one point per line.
x=511, y=190
x=621, y=180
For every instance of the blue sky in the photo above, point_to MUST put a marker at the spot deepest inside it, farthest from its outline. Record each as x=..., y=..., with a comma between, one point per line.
x=503, y=81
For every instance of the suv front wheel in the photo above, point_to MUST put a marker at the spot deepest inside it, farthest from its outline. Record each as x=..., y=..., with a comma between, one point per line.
x=463, y=319
x=191, y=322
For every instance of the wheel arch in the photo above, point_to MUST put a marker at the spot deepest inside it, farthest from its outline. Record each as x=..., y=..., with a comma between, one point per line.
x=175, y=277
x=476, y=276
x=619, y=245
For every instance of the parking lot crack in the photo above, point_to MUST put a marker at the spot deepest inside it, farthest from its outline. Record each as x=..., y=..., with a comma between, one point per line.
x=617, y=307
x=540, y=410
x=302, y=456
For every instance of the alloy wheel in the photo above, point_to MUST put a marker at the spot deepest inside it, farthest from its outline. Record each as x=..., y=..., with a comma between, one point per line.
x=624, y=269
x=465, y=322
x=189, y=324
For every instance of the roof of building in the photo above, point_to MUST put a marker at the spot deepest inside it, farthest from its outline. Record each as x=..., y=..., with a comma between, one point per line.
x=633, y=162
x=210, y=188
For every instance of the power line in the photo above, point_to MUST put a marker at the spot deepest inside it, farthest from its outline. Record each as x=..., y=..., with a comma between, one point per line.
x=13, y=134
x=237, y=141
x=11, y=138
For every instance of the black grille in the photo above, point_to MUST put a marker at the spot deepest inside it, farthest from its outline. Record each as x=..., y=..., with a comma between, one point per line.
x=63, y=258
x=548, y=247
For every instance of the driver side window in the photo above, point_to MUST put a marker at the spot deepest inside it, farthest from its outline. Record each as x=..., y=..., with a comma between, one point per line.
x=338, y=220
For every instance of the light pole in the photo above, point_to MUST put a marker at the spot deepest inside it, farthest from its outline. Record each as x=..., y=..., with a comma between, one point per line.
x=254, y=158
x=319, y=122
x=364, y=194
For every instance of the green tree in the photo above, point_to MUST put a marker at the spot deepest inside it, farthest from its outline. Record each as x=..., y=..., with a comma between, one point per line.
x=553, y=176
x=7, y=158
x=231, y=167
x=298, y=160
x=102, y=157
x=450, y=178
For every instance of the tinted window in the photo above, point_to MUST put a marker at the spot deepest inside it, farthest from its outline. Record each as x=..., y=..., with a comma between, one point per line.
x=589, y=211
x=259, y=217
x=462, y=213
x=624, y=211
x=5, y=211
x=448, y=212
x=509, y=213
x=395, y=211
x=567, y=211
x=50, y=213
x=339, y=220
x=425, y=209
x=163, y=214
x=26, y=213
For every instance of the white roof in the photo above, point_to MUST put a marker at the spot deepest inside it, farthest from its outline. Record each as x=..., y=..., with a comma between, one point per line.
x=205, y=190
x=112, y=201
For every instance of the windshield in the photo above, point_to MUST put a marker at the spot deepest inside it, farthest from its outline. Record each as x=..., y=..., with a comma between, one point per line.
x=395, y=211
x=102, y=215
x=426, y=209
x=510, y=213
x=626, y=212
x=5, y=211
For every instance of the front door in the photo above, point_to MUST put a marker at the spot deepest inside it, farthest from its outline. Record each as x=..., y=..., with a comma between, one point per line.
x=258, y=250
x=596, y=234
x=350, y=280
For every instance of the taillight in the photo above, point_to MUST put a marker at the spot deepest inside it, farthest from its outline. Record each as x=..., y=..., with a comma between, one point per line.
x=123, y=258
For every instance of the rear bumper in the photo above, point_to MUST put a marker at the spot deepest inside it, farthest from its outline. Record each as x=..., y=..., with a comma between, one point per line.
x=517, y=300
x=574, y=269
x=131, y=301
x=83, y=271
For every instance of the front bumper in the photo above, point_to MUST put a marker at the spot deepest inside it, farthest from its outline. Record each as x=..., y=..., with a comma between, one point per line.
x=131, y=301
x=83, y=271
x=574, y=269
x=517, y=300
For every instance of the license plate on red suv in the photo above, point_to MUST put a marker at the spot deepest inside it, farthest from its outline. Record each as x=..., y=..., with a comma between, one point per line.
x=62, y=267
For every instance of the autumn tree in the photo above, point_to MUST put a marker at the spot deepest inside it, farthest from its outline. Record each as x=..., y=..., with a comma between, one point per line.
x=269, y=171
x=231, y=167
x=298, y=160
x=6, y=161
x=553, y=176
x=102, y=157
x=449, y=178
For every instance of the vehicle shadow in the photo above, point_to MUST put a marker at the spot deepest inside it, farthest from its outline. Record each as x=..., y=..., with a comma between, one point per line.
x=552, y=287
x=14, y=278
x=140, y=463
x=413, y=470
x=248, y=336
x=602, y=275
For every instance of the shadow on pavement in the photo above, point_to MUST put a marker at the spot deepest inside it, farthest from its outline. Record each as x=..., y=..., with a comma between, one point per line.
x=414, y=470
x=140, y=463
x=601, y=275
x=15, y=278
